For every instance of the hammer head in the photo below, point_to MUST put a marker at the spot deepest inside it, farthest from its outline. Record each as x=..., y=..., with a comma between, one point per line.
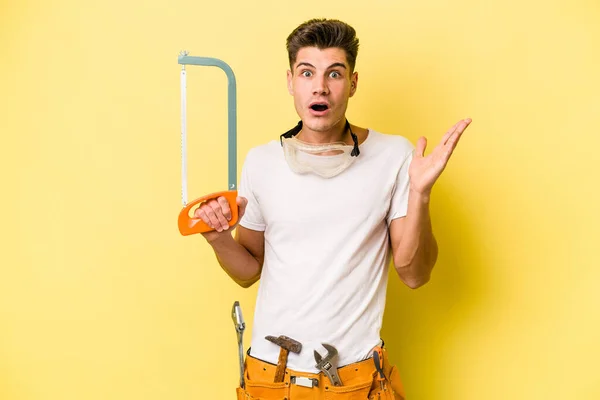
x=286, y=343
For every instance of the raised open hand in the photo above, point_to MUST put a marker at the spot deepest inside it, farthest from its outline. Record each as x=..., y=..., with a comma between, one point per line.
x=425, y=170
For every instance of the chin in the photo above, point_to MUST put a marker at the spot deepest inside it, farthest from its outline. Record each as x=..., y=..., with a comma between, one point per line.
x=320, y=124
x=316, y=126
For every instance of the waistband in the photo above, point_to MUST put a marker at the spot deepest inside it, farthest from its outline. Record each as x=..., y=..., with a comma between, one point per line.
x=258, y=370
x=381, y=344
x=357, y=378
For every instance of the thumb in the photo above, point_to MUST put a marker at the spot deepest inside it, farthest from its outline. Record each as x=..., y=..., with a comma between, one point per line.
x=421, y=146
x=242, y=202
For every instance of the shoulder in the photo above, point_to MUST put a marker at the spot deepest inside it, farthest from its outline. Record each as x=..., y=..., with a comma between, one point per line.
x=390, y=139
x=264, y=152
x=390, y=143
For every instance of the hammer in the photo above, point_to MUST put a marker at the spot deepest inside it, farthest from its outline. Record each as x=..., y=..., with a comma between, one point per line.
x=287, y=344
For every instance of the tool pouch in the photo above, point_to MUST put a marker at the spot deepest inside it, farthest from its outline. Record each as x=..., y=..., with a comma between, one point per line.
x=392, y=381
x=259, y=385
x=360, y=383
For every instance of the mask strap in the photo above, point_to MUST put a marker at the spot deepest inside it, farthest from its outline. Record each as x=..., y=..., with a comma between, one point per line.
x=295, y=130
x=355, y=151
x=291, y=133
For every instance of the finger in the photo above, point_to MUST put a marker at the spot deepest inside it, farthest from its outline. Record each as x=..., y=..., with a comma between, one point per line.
x=201, y=213
x=242, y=202
x=463, y=125
x=221, y=221
x=450, y=132
x=452, y=138
x=421, y=146
x=453, y=141
x=225, y=207
x=212, y=216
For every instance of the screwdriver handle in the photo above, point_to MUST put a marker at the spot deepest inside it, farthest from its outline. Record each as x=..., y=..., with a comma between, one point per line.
x=378, y=360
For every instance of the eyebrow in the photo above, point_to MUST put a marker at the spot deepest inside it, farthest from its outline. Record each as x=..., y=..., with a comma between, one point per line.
x=312, y=66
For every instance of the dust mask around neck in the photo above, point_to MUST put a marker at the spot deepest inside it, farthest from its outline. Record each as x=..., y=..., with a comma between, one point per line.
x=324, y=159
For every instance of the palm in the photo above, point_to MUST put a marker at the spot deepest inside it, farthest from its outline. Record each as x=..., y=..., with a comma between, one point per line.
x=425, y=170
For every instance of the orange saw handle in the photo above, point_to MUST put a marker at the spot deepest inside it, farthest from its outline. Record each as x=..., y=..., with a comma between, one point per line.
x=190, y=225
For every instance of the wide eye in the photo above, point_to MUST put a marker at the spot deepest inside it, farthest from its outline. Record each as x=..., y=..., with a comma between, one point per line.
x=306, y=74
x=334, y=74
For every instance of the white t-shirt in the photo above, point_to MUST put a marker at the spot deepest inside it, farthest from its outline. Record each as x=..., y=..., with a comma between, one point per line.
x=327, y=250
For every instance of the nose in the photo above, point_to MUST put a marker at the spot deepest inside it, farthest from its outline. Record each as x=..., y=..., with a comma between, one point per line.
x=320, y=86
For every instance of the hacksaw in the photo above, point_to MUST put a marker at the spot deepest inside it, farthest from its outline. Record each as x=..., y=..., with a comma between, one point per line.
x=188, y=224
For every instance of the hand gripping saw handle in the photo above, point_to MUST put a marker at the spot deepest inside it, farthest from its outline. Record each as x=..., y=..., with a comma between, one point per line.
x=189, y=225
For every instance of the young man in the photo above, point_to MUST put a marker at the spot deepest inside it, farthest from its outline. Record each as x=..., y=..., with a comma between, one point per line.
x=322, y=210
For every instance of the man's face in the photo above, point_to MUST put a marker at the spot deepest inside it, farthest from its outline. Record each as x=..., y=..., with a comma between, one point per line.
x=321, y=83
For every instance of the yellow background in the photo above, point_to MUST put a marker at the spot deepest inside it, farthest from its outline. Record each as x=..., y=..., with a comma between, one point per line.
x=101, y=298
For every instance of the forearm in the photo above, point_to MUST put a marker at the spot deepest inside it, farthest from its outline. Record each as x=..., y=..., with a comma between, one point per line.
x=416, y=252
x=236, y=260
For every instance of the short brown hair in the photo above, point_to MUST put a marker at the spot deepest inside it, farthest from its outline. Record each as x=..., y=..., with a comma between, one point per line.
x=323, y=33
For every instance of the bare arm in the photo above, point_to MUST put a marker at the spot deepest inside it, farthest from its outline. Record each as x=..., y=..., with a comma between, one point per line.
x=241, y=258
x=414, y=247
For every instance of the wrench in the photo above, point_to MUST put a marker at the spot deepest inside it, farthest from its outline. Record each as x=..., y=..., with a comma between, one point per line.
x=328, y=364
x=238, y=321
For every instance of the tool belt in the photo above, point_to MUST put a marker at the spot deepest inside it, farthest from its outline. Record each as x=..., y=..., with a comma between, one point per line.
x=359, y=383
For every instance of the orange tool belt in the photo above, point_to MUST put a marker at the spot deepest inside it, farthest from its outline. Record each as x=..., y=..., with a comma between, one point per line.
x=360, y=382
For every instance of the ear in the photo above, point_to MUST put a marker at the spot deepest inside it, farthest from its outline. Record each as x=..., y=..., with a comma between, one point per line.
x=353, y=83
x=289, y=82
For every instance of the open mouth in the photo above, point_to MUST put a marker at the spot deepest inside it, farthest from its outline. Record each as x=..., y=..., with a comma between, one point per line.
x=319, y=107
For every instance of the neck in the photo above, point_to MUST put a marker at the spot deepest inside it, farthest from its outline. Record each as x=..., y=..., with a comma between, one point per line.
x=336, y=133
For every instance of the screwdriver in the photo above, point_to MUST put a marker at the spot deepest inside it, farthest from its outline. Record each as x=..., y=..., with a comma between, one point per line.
x=378, y=360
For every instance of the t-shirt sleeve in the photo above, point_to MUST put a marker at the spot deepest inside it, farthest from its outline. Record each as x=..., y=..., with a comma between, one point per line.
x=399, y=202
x=253, y=218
